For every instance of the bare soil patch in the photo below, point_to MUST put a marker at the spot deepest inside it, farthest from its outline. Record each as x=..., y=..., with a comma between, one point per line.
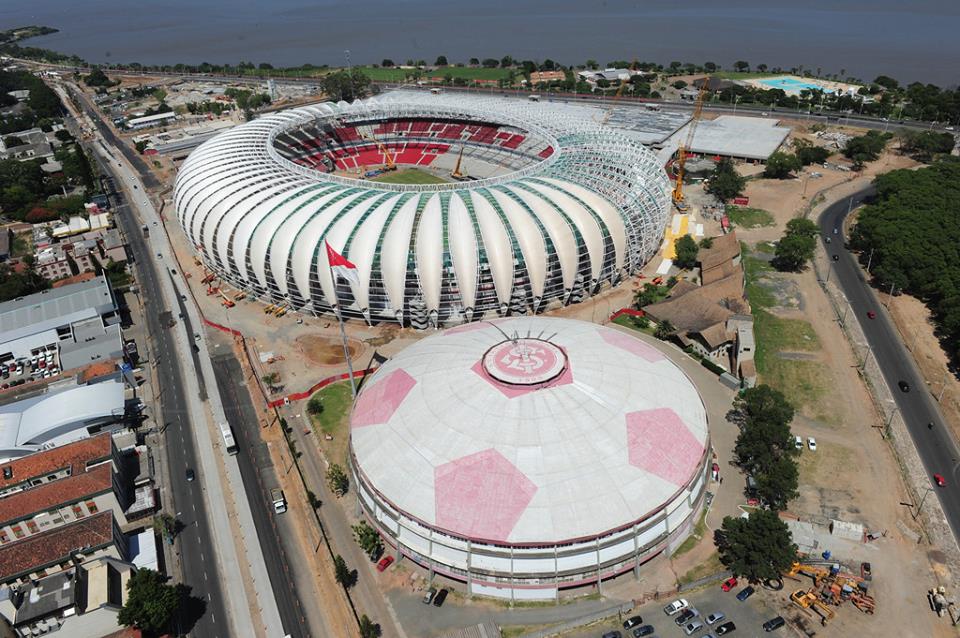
x=326, y=351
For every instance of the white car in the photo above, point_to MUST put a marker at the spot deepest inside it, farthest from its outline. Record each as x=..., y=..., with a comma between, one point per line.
x=798, y=442
x=675, y=606
x=812, y=443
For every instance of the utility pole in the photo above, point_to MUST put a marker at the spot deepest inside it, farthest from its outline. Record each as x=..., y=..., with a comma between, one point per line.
x=943, y=385
x=870, y=259
x=890, y=299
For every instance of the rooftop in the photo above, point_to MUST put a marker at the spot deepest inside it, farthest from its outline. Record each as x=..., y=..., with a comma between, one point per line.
x=45, y=497
x=49, y=548
x=722, y=248
x=78, y=456
x=695, y=310
x=53, y=308
x=736, y=136
x=47, y=596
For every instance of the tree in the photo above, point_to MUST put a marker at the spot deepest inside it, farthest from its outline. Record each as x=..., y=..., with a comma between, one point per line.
x=506, y=62
x=315, y=405
x=866, y=148
x=710, y=67
x=649, y=294
x=490, y=63
x=757, y=548
x=780, y=165
x=337, y=479
x=887, y=82
x=441, y=61
x=368, y=539
x=679, y=85
x=270, y=378
x=809, y=153
x=141, y=145
x=368, y=628
x=741, y=65
x=345, y=86
x=474, y=62
x=687, y=250
x=346, y=577
x=151, y=602
x=924, y=145
x=664, y=330
x=763, y=403
x=793, y=252
x=777, y=483
x=97, y=78
x=387, y=63
x=725, y=182
x=19, y=284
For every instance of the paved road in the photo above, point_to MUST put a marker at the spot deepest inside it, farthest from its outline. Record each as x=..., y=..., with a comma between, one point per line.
x=936, y=446
x=194, y=543
x=255, y=463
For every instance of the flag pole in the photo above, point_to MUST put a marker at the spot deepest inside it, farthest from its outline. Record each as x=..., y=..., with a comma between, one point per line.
x=343, y=333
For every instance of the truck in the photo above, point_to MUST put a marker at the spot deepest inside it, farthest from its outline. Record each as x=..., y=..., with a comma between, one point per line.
x=146, y=230
x=279, y=500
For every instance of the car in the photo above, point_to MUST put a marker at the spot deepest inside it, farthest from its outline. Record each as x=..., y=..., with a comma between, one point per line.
x=692, y=627
x=866, y=572
x=812, y=443
x=726, y=628
x=745, y=593
x=677, y=605
x=633, y=621
x=798, y=442
x=428, y=597
x=871, y=314
x=440, y=597
x=715, y=617
x=385, y=562
x=612, y=634
x=938, y=478
x=904, y=386
x=687, y=615
x=774, y=623
x=828, y=240
x=191, y=474
x=729, y=583
x=836, y=231
x=159, y=256
x=836, y=257
x=644, y=630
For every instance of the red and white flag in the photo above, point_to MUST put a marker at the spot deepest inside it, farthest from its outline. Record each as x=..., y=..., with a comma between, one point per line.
x=341, y=266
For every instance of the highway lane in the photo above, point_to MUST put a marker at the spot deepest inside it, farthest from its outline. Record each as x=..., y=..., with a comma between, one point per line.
x=253, y=456
x=936, y=446
x=194, y=542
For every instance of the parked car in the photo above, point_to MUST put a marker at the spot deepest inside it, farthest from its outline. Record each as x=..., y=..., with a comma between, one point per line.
x=633, y=621
x=726, y=628
x=428, y=597
x=693, y=627
x=745, y=593
x=686, y=615
x=715, y=617
x=385, y=562
x=836, y=257
x=729, y=583
x=798, y=442
x=440, y=597
x=812, y=443
x=191, y=474
x=774, y=623
x=643, y=630
x=613, y=634
x=676, y=606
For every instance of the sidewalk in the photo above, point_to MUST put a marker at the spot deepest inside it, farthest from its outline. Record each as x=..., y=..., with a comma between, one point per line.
x=228, y=554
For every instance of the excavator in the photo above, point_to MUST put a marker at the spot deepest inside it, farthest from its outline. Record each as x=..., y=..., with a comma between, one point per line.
x=807, y=600
x=685, y=146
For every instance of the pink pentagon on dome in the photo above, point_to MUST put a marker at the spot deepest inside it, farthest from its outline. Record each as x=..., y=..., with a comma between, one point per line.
x=378, y=403
x=659, y=442
x=481, y=495
x=630, y=344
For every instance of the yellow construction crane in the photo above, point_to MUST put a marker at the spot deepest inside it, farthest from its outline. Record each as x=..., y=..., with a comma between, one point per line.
x=456, y=173
x=388, y=163
x=685, y=146
x=616, y=97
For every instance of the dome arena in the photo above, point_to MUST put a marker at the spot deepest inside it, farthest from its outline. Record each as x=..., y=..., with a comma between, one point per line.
x=527, y=455
x=452, y=209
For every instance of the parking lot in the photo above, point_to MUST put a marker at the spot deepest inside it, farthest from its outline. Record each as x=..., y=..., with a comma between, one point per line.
x=748, y=616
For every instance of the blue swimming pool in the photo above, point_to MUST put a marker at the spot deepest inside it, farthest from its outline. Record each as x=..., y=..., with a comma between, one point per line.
x=790, y=84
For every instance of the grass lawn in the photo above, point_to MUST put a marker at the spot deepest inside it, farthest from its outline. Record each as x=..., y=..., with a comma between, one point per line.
x=743, y=75
x=380, y=74
x=708, y=567
x=409, y=176
x=749, y=217
x=633, y=323
x=766, y=247
x=335, y=399
x=695, y=536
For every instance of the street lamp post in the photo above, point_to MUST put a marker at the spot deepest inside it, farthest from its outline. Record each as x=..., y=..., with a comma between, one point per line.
x=923, y=500
x=870, y=259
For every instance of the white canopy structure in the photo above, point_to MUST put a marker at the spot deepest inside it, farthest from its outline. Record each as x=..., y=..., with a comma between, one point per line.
x=563, y=207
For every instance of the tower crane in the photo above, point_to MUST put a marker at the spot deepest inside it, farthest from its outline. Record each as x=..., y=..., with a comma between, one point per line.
x=684, y=148
x=456, y=173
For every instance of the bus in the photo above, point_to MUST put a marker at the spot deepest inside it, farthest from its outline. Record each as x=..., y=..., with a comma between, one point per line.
x=228, y=441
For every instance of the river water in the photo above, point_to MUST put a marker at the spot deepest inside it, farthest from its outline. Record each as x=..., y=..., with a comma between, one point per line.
x=912, y=40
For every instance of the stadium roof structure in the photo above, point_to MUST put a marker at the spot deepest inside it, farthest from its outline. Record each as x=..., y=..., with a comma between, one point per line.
x=528, y=431
x=579, y=206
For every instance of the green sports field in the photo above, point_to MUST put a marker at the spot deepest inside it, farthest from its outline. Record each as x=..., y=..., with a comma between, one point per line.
x=409, y=176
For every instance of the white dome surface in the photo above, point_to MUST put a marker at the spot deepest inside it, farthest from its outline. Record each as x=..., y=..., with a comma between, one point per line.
x=565, y=431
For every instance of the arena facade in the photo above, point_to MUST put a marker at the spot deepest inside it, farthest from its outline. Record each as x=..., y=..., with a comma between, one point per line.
x=532, y=454
x=538, y=208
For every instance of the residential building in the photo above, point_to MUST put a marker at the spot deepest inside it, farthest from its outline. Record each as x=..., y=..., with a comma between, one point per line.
x=151, y=120
x=539, y=77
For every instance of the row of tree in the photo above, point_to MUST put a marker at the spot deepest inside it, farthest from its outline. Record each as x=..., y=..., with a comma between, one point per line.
x=912, y=232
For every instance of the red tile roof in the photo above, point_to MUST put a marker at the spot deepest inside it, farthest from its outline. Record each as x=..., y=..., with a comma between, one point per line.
x=76, y=279
x=77, y=455
x=49, y=548
x=65, y=491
